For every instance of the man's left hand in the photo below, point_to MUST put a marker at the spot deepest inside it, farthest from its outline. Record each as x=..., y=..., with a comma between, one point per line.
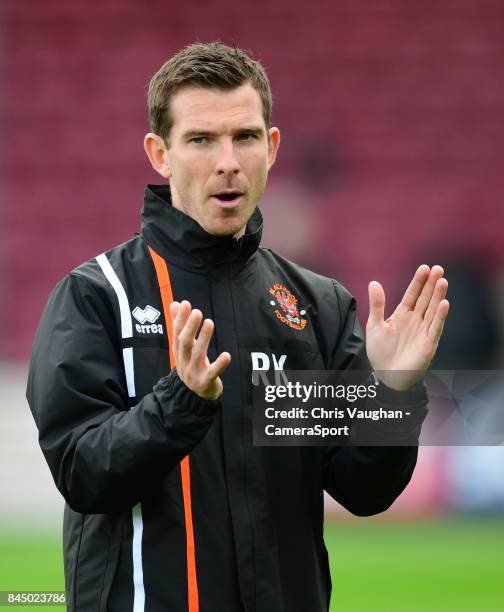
x=401, y=347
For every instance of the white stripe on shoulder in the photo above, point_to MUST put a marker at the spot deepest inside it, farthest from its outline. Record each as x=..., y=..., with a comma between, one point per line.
x=136, y=511
x=113, y=279
x=126, y=324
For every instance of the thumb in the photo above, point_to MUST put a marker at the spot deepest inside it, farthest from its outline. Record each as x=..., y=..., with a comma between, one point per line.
x=217, y=368
x=376, y=303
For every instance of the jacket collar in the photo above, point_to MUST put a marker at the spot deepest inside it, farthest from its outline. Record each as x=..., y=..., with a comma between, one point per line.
x=179, y=238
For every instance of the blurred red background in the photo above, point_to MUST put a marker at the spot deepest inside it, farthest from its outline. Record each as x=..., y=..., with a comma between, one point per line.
x=392, y=117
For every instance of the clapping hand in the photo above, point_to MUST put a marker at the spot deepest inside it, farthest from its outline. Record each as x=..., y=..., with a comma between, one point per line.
x=191, y=358
x=401, y=347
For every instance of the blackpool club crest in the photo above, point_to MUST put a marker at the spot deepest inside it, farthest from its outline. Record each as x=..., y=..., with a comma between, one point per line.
x=286, y=307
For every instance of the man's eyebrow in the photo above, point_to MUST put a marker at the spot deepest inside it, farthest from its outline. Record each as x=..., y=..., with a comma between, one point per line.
x=253, y=129
x=193, y=132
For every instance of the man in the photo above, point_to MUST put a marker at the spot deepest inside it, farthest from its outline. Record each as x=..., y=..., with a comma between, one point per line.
x=169, y=506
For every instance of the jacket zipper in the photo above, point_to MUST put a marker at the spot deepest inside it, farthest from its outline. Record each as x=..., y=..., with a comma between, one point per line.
x=244, y=420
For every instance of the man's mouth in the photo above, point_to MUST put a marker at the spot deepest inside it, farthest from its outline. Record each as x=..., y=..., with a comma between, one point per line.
x=228, y=199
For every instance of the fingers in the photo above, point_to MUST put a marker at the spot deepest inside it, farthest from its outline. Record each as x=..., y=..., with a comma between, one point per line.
x=376, y=303
x=191, y=350
x=436, y=328
x=187, y=336
x=200, y=349
x=438, y=295
x=426, y=294
x=216, y=368
x=174, y=308
x=185, y=325
x=179, y=313
x=415, y=287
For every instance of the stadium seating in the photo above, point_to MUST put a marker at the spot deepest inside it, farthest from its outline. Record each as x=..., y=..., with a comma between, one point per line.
x=405, y=100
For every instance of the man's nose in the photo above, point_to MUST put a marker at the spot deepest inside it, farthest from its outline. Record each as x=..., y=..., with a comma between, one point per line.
x=227, y=162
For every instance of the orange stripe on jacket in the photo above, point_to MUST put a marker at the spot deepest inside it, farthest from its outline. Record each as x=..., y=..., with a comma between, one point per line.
x=185, y=469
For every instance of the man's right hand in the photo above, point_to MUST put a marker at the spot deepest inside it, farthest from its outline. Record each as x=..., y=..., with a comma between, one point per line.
x=191, y=359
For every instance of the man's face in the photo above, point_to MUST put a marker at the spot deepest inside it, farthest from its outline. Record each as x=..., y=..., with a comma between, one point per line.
x=219, y=155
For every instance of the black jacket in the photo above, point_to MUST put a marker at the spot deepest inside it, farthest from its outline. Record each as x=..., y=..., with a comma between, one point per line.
x=169, y=506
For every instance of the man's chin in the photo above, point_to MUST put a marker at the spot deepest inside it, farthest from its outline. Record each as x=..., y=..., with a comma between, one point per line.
x=226, y=225
x=223, y=230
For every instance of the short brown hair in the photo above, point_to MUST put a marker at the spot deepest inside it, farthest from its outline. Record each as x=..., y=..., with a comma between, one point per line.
x=213, y=65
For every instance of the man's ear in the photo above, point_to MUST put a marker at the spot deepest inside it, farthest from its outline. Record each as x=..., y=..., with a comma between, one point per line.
x=273, y=144
x=157, y=153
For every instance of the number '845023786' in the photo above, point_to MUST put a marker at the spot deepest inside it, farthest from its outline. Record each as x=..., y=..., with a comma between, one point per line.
x=32, y=597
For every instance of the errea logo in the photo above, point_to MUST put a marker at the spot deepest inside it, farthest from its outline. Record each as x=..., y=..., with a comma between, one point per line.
x=150, y=315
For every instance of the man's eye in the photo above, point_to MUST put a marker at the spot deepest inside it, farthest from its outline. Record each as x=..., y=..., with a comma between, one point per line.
x=246, y=136
x=198, y=140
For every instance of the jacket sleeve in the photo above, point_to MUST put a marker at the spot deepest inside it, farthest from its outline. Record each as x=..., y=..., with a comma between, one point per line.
x=103, y=456
x=366, y=480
